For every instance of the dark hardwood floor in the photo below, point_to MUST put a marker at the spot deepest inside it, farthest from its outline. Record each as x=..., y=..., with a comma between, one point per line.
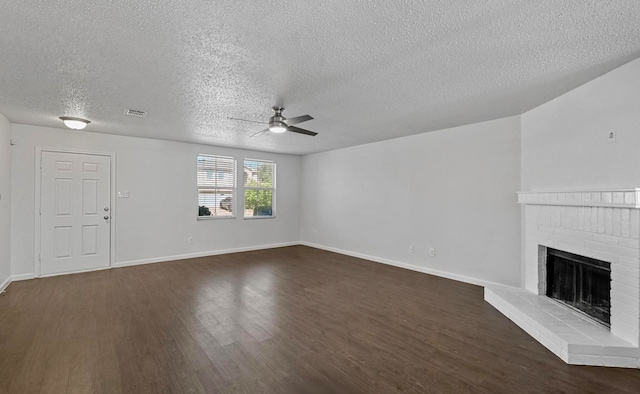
x=289, y=320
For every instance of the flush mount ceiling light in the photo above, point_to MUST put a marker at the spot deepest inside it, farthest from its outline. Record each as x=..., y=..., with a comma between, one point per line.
x=74, y=123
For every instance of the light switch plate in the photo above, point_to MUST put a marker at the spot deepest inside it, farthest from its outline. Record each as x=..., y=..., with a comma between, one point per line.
x=123, y=194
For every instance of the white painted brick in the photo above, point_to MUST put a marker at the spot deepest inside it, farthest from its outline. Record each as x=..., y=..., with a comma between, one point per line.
x=622, y=294
x=599, y=247
x=620, y=351
x=574, y=217
x=545, y=217
x=586, y=198
x=596, y=197
x=531, y=245
x=625, y=220
x=617, y=221
x=621, y=362
x=571, y=241
x=575, y=249
x=594, y=219
x=581, y=218
x=625, y=312
x=624, y=331
x=627, y=262
x=630, y=198
x=567, y=232
x=606, y=197
x=598, y=255
x=629, y=243
x=608, y=221
x=546, y=242
x=531, y=284
x=603, y=238
x=566, y=217
x=601, y=220
x=630, y=281
x=617, y=198
x=625, y=270
x=531, y=214
x=546, y=229
x=584, y=348
x=587, y=219
x=634, y=224
x=568, y=198
x=530, y=227
x=557, y=217
x=538, y=235
x=622, y=251
x=585, y=359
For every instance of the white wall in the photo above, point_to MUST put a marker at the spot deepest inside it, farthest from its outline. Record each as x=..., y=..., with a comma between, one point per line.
x=5, y=200
x=564, y=141
x=453, y=190
x=155, y=222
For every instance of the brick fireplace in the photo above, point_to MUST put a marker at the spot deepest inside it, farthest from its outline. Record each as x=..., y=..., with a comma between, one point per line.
x=598, y=224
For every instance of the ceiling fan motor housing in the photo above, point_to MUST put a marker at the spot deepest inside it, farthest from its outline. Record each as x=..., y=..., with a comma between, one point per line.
x=276, y=122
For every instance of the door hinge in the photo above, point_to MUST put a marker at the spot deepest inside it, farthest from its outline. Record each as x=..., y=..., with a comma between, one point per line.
x=40, y=257
x=40, y=211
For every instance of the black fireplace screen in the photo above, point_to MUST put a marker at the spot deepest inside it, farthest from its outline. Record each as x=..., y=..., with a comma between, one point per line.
x=581, y=282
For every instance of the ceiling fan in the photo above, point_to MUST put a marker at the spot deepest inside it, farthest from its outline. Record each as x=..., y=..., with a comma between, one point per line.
x=280, y=124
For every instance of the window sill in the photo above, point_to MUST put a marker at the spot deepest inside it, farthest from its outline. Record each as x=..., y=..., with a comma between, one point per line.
x=216, y=217
x=258, y=217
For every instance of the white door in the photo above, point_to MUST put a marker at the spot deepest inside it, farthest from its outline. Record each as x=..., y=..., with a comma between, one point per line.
x=75, y=212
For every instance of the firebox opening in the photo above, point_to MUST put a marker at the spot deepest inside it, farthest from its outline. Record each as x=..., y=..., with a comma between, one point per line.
x=581, y=282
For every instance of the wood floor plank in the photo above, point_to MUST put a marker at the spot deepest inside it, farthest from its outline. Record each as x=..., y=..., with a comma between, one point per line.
x=287, y=320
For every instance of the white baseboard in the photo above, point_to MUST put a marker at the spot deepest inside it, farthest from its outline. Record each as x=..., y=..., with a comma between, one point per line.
x=412, y=267
x=203, y=254
x=5, y=284
x=16, y=278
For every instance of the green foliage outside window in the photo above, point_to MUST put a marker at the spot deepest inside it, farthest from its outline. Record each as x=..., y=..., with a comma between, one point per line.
x=260, y=200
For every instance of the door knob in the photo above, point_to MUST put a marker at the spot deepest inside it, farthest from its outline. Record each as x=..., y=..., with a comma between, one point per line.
x=106, y=217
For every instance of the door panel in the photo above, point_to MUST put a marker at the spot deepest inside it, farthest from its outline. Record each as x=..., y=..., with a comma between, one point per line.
x=75, y=200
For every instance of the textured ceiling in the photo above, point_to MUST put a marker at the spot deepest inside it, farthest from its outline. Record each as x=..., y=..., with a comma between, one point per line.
x=365, y=70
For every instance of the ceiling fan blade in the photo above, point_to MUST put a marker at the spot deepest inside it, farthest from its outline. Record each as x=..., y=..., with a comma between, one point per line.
x=297, y=119
x=259, y=132
x=245, y=120
x=301, y=131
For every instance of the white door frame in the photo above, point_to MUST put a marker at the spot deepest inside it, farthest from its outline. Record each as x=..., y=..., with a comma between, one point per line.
x=38, y=197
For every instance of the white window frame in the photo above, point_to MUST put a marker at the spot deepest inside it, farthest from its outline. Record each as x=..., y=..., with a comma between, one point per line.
x=234, y=193
x=272, y=189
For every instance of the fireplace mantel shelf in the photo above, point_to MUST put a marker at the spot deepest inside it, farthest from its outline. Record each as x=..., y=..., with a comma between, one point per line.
x=613, y=198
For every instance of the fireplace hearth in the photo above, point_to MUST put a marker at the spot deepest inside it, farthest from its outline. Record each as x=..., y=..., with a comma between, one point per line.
x=604, y=226
x=580, y=282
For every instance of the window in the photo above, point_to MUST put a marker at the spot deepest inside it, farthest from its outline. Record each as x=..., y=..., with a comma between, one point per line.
x=216, y=186
x=259, y=188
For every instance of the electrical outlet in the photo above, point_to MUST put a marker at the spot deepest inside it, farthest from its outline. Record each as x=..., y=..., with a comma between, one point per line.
x=190, y=240
x=432, y=252
x=612, y=136
x=411, y=250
